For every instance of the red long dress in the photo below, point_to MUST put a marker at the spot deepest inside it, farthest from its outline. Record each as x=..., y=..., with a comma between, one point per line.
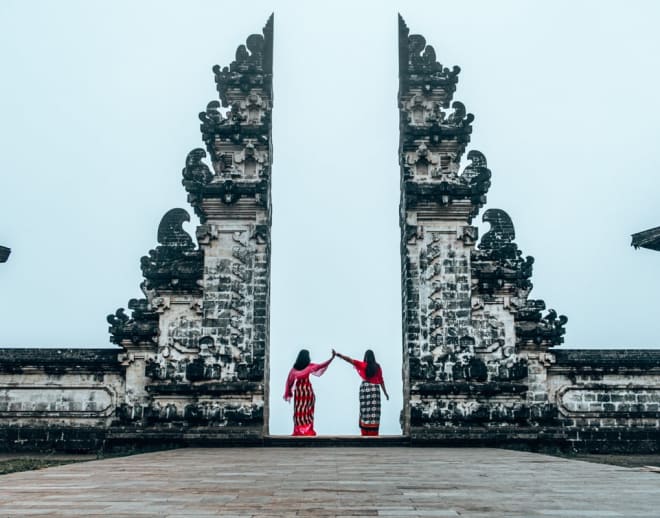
x=303, y=396
x=369, y=398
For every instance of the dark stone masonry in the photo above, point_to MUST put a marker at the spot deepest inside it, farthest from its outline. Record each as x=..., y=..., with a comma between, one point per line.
x=480, y=358
x=647, y=239
x=480, y=365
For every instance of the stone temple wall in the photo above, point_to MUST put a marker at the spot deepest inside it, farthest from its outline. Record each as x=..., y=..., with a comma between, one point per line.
x=58, y=398
x=480, y=358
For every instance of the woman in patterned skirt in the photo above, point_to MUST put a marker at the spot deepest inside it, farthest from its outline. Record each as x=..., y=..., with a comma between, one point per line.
x=372, y=381
x=303, y=396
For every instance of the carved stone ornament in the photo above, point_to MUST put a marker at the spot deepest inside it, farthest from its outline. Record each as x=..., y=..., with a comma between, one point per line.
x=175, y=264
x=498, y=268
x=497, y=263
x=140, y=327
x=418, y=64
x=253, y=66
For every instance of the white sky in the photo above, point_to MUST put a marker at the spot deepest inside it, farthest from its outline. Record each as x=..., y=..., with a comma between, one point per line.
x=99, y=104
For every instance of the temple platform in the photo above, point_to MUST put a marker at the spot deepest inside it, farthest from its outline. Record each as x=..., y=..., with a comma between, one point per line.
x=338, y=482
x=336, y=440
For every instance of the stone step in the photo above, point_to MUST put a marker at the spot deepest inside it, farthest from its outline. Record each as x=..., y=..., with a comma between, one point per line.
x=336, y=440
x=119, y=438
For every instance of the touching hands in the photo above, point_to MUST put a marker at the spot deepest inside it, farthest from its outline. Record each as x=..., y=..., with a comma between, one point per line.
x=335, y=353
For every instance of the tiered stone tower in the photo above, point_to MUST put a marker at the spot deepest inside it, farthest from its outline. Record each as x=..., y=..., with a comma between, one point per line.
x=470, y=334
x=196, y=348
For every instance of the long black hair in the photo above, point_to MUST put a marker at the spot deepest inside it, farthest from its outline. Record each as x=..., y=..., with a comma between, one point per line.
x=370, y=360
x=302, y=361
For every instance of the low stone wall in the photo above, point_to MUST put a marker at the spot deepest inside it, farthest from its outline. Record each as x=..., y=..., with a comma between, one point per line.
x=73, y=399
x=62, y=399
x=607, y=388
x=608, y=400
x=595, y=400
x=80, y=387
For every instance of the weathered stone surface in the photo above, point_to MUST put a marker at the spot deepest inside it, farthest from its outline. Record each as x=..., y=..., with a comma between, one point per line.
x=175, y=265
x=477, y=349
x=647, y=239
x=97, y=360
x=607, y=389
x=332, y=482
x=607, y=360
x=460, y=303
x=46, y=390
x=140, y=327
x=210, y=302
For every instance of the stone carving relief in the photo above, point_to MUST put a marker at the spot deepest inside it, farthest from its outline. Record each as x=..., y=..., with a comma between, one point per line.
x=253, y=109
x=251, y=162
x=251, y=69
x=422, y=110
x=218, y=346
x=175, y=264
x=417, y=60
x=62, y=402
x=446, y=342
x=140, y=327
x=499, y=271
x=422, y=163
x=594, y=400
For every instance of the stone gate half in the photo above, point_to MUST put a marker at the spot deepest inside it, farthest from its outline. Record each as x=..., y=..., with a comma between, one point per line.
x=196, y=346
x=478, y=357
x=194, y=350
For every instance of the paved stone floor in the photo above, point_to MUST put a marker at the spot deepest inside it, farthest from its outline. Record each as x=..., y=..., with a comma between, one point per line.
x=392, y=482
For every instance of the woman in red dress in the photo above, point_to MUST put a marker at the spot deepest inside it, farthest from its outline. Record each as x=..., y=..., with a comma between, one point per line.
x=372, y=382
x=303, y=396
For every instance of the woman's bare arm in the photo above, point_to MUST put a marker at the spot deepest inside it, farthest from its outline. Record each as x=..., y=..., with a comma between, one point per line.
x=342, y=356
x=382, y=385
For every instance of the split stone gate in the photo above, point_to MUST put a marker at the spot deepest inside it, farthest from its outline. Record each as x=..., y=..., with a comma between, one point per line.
x=479, y=358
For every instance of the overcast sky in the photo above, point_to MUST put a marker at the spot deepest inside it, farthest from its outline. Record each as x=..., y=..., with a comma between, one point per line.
x=99, y=104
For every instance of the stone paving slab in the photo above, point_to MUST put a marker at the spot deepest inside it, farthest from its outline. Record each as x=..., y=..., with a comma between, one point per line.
x=333, y=482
